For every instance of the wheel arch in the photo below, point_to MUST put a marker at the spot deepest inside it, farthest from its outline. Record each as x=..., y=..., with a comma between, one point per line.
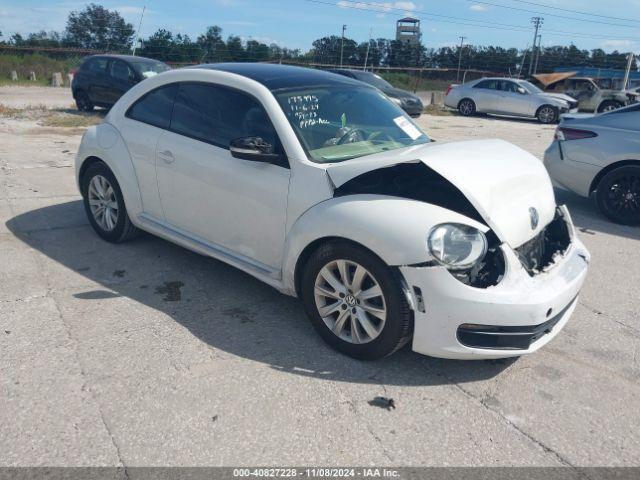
x=309, y=250
x=609, y=168
x=467, y=98
x=548, y=105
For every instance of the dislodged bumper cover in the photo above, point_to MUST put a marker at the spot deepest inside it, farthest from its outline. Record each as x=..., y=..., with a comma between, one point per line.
x=518, y=300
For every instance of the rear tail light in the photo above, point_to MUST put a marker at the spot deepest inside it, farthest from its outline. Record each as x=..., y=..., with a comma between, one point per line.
x=448, y=90
x=566, y=134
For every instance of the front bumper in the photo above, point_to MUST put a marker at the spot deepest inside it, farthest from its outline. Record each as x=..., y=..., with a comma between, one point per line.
x=539, y=305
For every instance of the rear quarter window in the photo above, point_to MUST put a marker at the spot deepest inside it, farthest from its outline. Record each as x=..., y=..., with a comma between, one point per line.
x=155, y=107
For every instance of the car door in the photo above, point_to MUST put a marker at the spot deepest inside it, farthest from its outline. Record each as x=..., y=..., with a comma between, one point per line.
x=121, y=78
x=96, y=79
x=235, y=205
x=486, y=96
x=513, y=101
x=141, y=127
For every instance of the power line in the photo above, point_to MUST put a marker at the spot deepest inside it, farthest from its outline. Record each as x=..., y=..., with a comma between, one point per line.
x=553, y=7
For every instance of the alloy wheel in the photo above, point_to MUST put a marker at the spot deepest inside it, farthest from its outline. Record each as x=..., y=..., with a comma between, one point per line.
x=103, y=203
x=547, y=115
x=623, y=196
x=350, y=301
x=466, y=107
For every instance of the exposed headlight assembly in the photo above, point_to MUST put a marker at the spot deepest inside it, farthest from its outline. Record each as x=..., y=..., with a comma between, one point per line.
x=457, y=246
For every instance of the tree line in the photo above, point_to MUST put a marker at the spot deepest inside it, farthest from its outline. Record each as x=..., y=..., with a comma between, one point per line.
x=98, y=28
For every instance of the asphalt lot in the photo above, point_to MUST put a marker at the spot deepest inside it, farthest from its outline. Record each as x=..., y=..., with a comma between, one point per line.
x=147, y=354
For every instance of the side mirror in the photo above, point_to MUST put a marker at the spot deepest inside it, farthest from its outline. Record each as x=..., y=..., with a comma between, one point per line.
x=254, y=149
x=521, y=91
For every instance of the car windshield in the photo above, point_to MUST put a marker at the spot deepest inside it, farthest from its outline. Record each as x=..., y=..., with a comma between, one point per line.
x=335, y=124
x=531, y=88
x=149, y=68
x=373, y=79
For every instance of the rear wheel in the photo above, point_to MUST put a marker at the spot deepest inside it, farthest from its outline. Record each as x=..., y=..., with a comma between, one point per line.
x=618, y=195
x=104, y=204
x=547, y=114
x=609, y=105
x=467, y=107
x=83, y=102
x=355, y=301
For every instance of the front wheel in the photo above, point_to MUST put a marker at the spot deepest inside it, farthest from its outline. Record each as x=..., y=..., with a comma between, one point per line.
x=547, y=114
x=355, y=301
x=467, y=107
x=104, y=204
x=618, y=195
x=609, y=105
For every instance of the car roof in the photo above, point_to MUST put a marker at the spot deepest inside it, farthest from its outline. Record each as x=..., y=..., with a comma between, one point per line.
x=126, y=58
x=278, y=77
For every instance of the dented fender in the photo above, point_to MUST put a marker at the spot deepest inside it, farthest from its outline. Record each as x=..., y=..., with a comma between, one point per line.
x=393, y=228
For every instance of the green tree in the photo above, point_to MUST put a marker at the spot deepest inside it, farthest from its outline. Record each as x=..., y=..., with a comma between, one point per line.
x=212, y=45
x=98, y=28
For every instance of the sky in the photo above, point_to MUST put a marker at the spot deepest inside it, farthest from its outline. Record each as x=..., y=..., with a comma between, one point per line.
x=610, y=25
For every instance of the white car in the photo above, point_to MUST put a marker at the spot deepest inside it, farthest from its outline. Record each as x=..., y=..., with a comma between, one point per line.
x=323, y=188
x=508, y=96
x=600, y=155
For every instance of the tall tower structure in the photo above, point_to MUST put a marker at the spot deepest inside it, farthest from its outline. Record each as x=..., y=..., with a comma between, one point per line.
x=408, y=31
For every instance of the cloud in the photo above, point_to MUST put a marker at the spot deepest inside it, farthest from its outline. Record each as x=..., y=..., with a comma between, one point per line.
x=478, y=7
x=129, y=10
x=618, y=44
x=385, y=7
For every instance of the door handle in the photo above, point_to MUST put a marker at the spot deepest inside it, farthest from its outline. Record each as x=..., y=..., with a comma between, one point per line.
x=167, y=156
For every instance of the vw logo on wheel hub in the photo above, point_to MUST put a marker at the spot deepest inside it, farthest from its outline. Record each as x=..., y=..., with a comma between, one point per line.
x=350, y=299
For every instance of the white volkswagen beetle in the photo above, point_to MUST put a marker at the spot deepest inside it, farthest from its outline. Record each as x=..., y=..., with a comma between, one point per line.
x=323, y=188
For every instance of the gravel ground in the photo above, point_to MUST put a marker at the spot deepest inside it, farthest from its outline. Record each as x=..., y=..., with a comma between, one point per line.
x=147, y=354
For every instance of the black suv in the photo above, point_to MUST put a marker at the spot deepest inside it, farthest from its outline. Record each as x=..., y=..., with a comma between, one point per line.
x=102, y=79
x=409, y=102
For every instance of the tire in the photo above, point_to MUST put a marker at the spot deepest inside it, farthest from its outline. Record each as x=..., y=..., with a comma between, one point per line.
x=374, y=337
x=547, y=114
x=112, y=227
x=618, y=195
x=609, y=105
x=467, y=107
x=83, y=102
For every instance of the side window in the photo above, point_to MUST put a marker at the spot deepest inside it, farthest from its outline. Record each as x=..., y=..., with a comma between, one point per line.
x=121, y=71
x=155, y=107
x=487, y=85
x=217, y=115
x=509, y=87
x=96, y=65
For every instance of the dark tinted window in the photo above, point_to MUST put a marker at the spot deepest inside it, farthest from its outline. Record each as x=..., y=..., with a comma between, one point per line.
x=121, y=71
x=155, y=107
x=488, y=84
x=96, y=65
x=218, y=115
x=510, y=87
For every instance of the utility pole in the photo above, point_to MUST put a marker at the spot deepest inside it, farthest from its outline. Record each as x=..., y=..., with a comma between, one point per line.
x=459, y=58
x=366, y=57
x=535, y=67
x=135, y=43
x=537, y=22
x=627, y=72
x=344, y=27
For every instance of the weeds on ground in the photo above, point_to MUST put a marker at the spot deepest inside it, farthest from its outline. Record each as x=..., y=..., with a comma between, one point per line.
x=56, y=117
x=438, y=110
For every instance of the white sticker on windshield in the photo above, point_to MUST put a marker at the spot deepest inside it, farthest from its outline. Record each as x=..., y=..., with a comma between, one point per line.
x=149, y=73
x=408, y=127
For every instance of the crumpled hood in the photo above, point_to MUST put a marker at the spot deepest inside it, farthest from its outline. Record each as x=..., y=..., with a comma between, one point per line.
x=558, y=96
x=502, y=181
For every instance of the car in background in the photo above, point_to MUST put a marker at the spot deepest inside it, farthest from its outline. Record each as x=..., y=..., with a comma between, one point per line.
x=600, y=154
x=408, y=101
x=508, y=96
x=590, y=96
x=102, y=79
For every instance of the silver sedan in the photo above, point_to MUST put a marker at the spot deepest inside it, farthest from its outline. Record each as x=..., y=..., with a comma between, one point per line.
x=600, y=154
x=508, y=96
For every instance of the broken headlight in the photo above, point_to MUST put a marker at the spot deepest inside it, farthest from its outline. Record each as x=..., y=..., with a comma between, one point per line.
x=457, y=246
